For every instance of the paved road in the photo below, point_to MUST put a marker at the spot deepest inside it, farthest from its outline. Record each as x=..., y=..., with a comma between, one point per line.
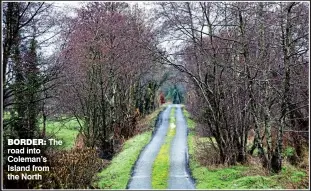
x=141, y=178
x=179, y=177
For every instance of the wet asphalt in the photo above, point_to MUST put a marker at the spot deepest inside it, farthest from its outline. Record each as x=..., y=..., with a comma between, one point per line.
x=141, y=177
x=179, y=177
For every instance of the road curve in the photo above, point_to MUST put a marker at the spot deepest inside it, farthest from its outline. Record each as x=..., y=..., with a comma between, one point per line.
x=141, y=178
x=179, y=177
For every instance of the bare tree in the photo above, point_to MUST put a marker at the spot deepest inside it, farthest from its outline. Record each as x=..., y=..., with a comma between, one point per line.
x=231, y=54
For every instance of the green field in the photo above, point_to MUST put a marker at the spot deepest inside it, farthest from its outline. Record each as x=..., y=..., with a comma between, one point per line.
x=64, y=129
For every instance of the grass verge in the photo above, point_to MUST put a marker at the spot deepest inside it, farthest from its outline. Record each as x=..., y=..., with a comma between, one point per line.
x=118, y=173
x=241, y=176
x=160, y=168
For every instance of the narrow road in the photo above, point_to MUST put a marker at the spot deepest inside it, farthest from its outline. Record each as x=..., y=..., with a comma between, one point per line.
x=179, y=177
x=141, y=178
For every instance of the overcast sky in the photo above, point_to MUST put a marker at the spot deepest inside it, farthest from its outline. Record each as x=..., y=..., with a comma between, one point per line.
x=77, y=4
x=67, y=8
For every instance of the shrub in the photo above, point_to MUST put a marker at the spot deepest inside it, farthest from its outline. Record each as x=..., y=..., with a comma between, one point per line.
x=291, y=155
x=206, y=154
x=73, y=169
x=289, y=151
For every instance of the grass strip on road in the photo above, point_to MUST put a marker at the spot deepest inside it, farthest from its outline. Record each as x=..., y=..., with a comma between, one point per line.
x=160, y=168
